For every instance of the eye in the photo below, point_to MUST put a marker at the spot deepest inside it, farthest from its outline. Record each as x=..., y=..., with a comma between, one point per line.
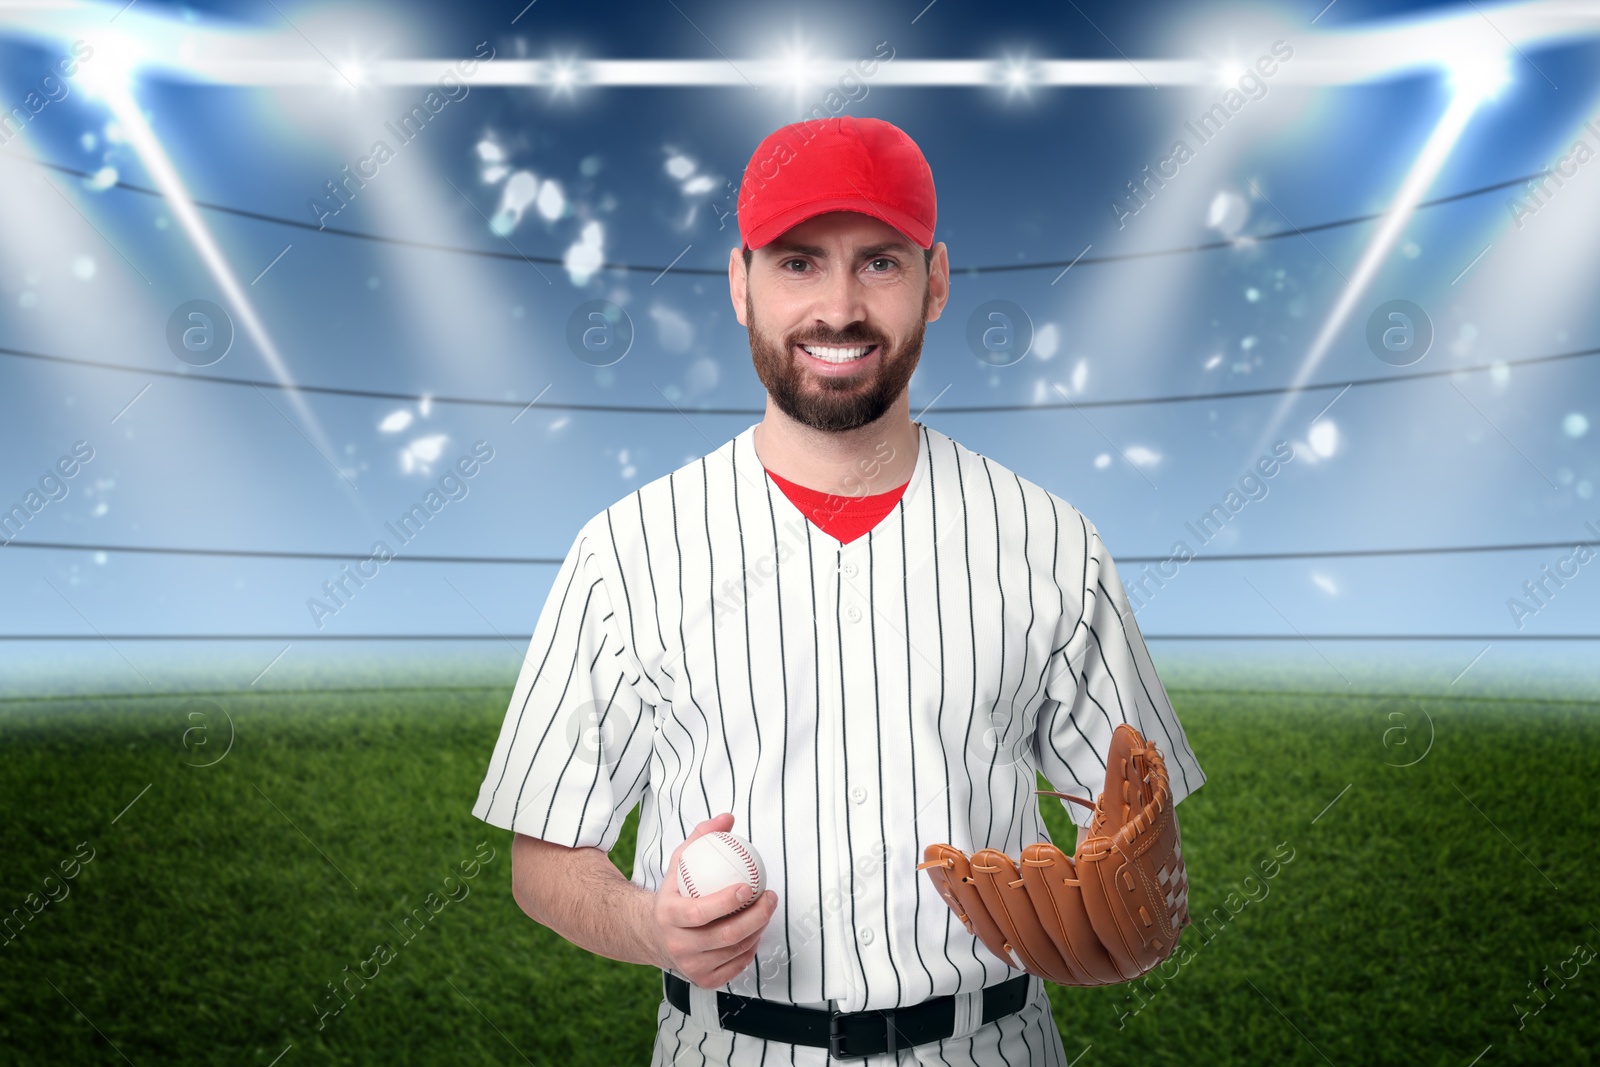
x=889, y=264
x=789, y=262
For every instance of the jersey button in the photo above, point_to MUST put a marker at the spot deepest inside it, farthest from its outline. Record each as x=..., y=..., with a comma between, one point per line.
x=865, y=935
x=849, y=570
x=853, y=613
x=859, y=794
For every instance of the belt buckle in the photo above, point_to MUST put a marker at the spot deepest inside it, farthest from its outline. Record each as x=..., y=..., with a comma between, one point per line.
x=836, y=1034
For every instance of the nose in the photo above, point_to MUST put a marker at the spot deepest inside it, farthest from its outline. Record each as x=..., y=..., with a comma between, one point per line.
x=842, y=301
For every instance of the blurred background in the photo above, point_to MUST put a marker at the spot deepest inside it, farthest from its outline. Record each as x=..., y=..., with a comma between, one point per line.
x=269, y=272
x=375, y=329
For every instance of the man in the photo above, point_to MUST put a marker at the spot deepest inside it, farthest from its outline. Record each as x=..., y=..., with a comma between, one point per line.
x=842, y=636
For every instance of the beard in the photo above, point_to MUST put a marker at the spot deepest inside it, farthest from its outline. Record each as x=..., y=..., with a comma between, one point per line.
x=834, y=404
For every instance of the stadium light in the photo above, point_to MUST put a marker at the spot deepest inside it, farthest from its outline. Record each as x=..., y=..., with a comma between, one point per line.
x=1479, y=77
x=1017, y=75
x=797, y=70
x=111, y=67
x=219, y=51
x=564, y=75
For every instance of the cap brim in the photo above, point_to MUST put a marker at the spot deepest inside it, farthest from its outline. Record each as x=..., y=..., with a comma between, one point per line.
x=783, y=221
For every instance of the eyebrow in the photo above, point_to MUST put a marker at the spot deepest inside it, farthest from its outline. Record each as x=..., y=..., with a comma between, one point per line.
x=788, y=248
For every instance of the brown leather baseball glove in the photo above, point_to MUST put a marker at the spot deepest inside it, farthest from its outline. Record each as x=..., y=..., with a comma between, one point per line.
x=1106, y=914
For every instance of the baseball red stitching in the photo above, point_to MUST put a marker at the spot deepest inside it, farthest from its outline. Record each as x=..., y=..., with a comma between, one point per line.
x=749, y=864
x=749, y=861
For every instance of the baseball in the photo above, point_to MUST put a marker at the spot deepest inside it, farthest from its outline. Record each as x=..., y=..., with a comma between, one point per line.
x=718, y=860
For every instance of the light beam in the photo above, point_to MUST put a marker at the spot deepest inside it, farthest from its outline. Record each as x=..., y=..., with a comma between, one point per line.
x=120, y=99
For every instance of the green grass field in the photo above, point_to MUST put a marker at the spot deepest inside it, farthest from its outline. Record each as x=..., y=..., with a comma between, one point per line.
x=1405, y=926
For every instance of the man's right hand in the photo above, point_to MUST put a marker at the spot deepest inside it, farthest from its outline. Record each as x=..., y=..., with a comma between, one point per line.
x=700, y=937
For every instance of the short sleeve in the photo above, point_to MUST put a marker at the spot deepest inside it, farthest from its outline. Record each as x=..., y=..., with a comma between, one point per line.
x=574, y=750
x=1100, y=675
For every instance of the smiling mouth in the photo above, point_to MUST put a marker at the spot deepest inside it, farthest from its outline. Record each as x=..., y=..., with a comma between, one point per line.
x=839, y=354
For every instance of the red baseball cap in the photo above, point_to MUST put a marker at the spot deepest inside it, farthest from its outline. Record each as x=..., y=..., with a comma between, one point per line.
x=836, y=164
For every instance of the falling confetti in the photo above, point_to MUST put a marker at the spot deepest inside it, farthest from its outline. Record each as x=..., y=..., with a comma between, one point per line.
x=395, y=421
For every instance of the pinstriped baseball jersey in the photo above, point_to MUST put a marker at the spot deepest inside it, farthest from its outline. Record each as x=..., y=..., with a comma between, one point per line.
x=706, y=648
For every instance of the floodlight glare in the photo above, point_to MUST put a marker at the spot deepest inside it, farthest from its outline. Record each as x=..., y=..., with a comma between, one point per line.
x=158, y=164
x=1017, y=74
x=797, y=70
x=564, y=74
x=109, y=70
x=1479, y=76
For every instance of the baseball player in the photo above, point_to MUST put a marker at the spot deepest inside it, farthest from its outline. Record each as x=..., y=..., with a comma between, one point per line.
x=841, y=635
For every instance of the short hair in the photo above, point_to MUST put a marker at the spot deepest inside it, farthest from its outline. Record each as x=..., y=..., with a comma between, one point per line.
x=927, y=258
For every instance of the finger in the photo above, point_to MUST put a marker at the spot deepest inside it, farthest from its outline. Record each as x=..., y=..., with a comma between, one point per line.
x=687, y=910
x=726, y=952
x=699, y=911
x=732, y=929
x=723, y=975
x=744, y=945
x=719, y=951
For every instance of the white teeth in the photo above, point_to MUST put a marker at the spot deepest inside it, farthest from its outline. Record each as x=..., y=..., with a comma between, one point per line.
x=837, y=355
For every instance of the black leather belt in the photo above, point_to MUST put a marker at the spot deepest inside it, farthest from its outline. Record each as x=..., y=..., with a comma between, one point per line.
x=854, y=1033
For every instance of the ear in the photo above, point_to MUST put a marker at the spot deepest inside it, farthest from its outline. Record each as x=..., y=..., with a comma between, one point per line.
x=938, y=281
x=737, y=282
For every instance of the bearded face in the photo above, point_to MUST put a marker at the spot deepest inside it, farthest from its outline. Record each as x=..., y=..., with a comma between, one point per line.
x=835, y=396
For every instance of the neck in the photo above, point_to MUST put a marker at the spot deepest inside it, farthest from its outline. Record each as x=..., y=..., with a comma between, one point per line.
x=871, y=459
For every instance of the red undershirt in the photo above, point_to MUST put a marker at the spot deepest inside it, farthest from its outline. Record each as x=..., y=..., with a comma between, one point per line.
x=844, y=518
